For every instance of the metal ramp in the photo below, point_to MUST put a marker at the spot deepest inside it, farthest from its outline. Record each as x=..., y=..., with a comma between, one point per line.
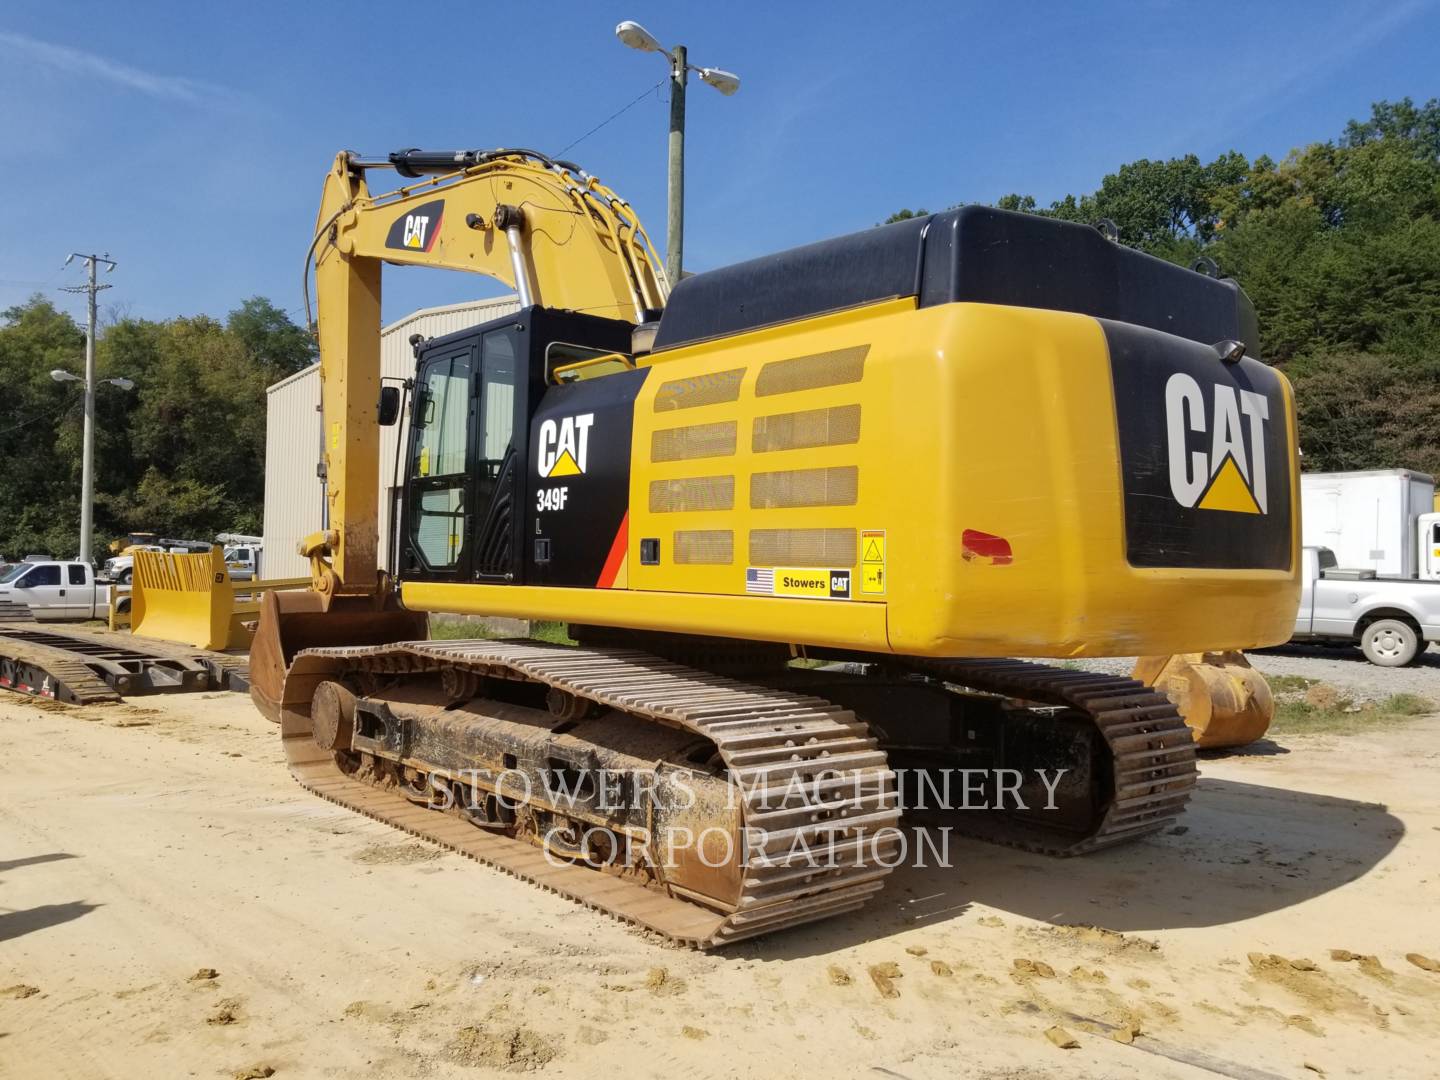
x=91, y=668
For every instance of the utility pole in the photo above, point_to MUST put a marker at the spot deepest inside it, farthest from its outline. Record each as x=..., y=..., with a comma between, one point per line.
x=727, y=82
x=87, y=459
x=675, y=214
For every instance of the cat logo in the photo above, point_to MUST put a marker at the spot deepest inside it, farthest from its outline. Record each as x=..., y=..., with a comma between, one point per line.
x=418, y=229
x=1225, y=468
x=415, y=228
x=564, y=445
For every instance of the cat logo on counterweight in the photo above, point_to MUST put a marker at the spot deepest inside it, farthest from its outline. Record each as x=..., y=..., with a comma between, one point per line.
x=1224, y=469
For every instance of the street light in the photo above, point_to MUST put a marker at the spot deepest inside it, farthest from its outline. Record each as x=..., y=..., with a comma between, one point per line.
x=87, y=485
x=637, y=37
x=64, y=376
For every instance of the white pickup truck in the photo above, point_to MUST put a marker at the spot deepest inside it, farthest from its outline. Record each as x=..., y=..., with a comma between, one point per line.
x=1391, y=619
x=242, y=557
x=53, y=591
x=243, y=561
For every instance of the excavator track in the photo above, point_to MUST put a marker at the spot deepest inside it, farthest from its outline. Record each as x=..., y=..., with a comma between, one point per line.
x=765, y=739
x=1151, y=753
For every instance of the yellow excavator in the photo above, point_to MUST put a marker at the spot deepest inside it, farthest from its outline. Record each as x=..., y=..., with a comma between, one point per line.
x=798, y=514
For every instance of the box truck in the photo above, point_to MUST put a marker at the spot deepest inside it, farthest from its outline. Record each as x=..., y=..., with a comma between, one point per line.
x=1370, y=520
x=1371, y=571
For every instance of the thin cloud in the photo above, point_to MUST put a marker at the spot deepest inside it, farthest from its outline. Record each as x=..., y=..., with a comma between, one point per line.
x=1268, y=87
x=79, y=62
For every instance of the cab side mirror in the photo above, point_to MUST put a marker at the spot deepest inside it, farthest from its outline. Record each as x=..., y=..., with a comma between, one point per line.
x=389, y=410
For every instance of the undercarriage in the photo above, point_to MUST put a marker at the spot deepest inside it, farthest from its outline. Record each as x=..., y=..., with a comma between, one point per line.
x=712, y=807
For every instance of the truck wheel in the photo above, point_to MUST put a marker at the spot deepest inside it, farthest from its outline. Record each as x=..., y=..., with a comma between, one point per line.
x=125, y=576
x=1390, y=643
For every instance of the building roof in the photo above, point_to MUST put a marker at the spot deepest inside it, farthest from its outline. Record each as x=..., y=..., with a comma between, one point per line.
x=507, y=302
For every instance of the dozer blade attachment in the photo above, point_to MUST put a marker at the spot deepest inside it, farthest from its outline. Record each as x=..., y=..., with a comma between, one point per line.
x=291, y=621
x=1223, y=699
x=187, y=598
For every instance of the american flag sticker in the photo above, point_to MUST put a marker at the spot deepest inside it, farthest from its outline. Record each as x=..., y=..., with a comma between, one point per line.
x=761, y=581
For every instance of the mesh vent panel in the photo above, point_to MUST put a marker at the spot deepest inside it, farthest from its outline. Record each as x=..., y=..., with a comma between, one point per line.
x=696, y=441
x=834, y=368
x=813, y=427
x=692, y=493
x=704, y=547
x=711, y=389
x=837, y=486
x=802, y=547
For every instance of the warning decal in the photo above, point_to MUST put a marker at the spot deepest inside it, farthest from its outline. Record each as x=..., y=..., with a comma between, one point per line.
x=872, y=562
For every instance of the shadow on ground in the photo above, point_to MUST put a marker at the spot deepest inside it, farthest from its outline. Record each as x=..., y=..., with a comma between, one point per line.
x=1258, y=748
x=14, y=924
x=1239, y=851
x=34, y=860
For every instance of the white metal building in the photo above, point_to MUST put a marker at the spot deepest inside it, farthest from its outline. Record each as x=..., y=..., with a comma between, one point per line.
x=294, y=503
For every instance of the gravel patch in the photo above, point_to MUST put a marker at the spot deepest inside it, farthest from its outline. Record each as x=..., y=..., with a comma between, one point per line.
x=1343, y=668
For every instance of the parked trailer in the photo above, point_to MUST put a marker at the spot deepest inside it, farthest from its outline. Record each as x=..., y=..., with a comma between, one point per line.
x=84, y=668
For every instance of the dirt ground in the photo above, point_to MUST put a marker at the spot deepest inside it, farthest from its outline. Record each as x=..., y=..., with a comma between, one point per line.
x=172, y=904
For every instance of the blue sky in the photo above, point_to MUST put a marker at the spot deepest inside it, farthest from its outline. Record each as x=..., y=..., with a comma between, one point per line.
x=189, y=140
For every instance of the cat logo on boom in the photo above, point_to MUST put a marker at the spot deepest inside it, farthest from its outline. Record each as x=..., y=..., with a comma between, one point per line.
x=564, y=445
x=1225, y=468
x=417, y=229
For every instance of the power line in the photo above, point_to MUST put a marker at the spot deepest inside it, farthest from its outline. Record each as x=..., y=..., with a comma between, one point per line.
x=614, y=116
x=36, y=419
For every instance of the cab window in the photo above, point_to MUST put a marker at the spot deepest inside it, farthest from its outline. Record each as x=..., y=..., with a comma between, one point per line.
x=441, y=422
x=77, y=574
x=41, y=576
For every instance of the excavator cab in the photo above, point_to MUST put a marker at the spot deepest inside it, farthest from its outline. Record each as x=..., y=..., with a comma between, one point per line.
x=474, y=444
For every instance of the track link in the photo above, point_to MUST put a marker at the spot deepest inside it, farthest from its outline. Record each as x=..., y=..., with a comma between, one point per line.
x=1151, y=751
x=773, y=743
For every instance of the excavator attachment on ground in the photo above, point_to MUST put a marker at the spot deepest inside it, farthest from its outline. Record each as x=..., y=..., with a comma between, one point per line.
x=191, y=599
x=1225, y=701
x=797, y=514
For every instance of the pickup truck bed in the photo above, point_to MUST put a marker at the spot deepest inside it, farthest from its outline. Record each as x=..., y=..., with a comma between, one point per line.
x=1391, y=619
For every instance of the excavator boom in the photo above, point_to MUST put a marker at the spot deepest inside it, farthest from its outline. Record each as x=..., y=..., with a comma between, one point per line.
x=557, y=236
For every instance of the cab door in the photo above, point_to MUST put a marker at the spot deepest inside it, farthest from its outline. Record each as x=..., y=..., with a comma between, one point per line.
x=463, y=477
x=1430, y=547
x=440, y=508
x=497, y=464
x=43, y=588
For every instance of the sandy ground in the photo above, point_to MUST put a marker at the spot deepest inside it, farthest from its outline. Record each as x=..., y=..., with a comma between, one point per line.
x=142, y=843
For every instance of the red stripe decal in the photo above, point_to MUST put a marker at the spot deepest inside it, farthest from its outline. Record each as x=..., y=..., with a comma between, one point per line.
x=617, y=554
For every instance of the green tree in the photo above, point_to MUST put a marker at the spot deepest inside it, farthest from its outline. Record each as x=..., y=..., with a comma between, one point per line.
x=270, y=337
x=1338, y=246
x=40, y=485
x=182, y=454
